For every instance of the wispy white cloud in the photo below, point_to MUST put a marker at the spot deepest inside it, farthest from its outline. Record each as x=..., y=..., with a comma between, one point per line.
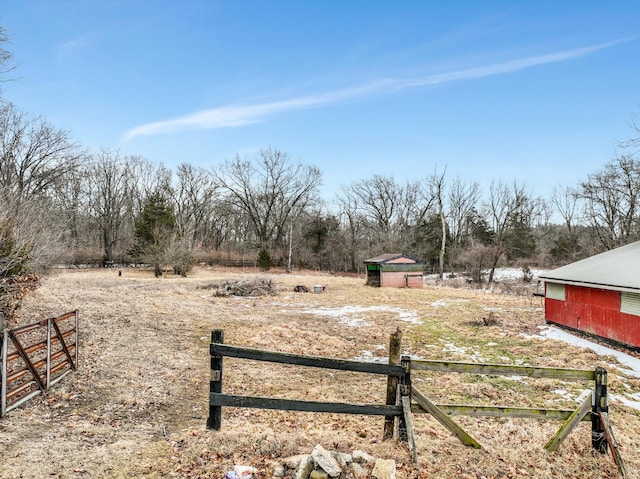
x=70, y=48
x=241, y=115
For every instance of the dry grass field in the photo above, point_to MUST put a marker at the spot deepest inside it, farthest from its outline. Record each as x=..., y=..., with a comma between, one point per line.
x=138, y=403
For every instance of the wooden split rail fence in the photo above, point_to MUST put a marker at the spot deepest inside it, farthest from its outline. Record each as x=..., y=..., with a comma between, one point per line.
x=404, y=399
x=35, y=357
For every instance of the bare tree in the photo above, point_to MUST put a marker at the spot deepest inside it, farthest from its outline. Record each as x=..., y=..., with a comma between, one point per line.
x=354, y=224
x=6, y=58
x=108, y=196
x=380, y=198
x=35, y=159
x=391, y=209
x=510, y=211
x=194, y=197
x=611, y=202
x=271, y=189
x=436, y=187
x=564, y=202
x=148, y=178
x=463, y=199
x=34, y=156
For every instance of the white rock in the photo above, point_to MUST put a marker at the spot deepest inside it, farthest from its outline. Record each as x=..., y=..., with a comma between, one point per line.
x=342, y=458
x=292, y=462
x=362, y=457
x=384, y=469
x=305, y=468
x=276, y=469
x=325, y=461
x=358, y=471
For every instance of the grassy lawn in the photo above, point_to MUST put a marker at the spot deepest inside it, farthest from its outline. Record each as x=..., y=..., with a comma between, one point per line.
x=138, y=403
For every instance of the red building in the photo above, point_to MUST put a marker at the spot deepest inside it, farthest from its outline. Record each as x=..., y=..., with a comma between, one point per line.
x=599, y=295
x=394, y=270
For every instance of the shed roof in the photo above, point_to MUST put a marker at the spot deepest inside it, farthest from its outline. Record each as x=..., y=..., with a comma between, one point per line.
x=617, y=269
x=391, y=258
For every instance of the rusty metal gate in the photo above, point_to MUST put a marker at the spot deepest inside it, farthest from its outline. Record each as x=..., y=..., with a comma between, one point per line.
x=35, y=357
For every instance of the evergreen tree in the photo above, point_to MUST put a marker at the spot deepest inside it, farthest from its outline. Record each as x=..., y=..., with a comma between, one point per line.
x=264, y=260
x=154, y=232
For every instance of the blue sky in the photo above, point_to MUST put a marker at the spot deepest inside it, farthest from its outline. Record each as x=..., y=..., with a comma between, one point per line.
x=538, y=92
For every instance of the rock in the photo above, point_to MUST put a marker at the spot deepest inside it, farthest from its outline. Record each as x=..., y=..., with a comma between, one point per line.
x=384, y=469
x=358, y=471
x=325, y=461
x=305, y=467
x=319, y=474
x=342, y=458
x=362, y=457
x=276, y=469
x=292, y=462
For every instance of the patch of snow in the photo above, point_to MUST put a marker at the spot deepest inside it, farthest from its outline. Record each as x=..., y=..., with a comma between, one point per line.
x=627, y=372
x=442, y=303
x=520, y=379
x=511, y=274
x=583, y=395
x=354, y=322
x=368, y=357
x=492, y=344
x=625, y=401
x=439, y=304
x=629, y=361
x=470, y=352
x=353, y=316
x=436, y=276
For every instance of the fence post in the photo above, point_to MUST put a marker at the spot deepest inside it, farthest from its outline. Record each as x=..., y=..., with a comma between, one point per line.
x=395, y=340
x=48, y=366
x=600, y=404
x=3, y=374
x=404, y=390
x=75, y=323
x=214, y=421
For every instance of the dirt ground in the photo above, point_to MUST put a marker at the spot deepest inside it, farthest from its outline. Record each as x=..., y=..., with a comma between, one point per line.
x=137, y=405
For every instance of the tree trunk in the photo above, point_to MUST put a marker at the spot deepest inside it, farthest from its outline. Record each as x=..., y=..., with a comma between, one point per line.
x=496, y=258
x=442, y=245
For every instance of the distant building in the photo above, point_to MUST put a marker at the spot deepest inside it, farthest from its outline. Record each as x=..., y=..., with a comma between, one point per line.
x=395, y=271
x=599, y=295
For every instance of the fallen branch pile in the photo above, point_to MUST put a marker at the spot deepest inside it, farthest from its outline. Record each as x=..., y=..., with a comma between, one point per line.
x=244, y=287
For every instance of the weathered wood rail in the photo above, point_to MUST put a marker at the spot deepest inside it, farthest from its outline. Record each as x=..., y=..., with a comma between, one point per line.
x=35, y=357
x=399, y=405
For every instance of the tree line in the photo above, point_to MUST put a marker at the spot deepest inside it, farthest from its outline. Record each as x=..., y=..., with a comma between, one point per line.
x=60, y=203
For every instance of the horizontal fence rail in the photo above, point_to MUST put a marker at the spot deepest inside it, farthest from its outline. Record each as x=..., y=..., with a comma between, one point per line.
x=218, y=399
x=302, y=360
x=504, y=370
x=35, y=357
x=503, y=411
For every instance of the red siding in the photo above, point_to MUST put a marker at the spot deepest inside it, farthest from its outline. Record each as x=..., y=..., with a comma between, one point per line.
x=596, y=311
x=399, y=280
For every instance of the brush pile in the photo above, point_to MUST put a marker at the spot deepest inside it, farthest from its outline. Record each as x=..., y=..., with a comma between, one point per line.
x=250, y=287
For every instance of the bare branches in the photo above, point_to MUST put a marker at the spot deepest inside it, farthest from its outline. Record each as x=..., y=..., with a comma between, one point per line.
x=611, y=202
x=271, y=190
x=34, y=156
